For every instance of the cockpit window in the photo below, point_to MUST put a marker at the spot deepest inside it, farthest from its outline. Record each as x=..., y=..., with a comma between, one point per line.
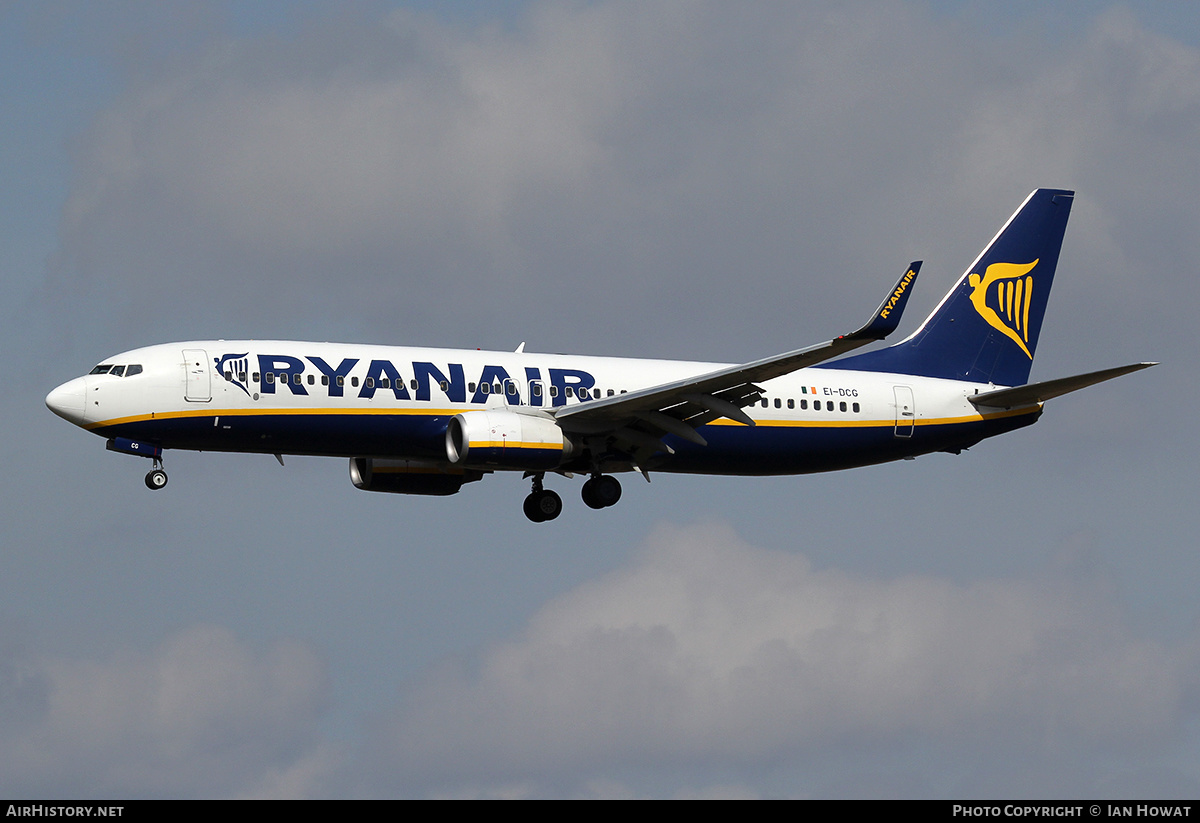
x=117, y=371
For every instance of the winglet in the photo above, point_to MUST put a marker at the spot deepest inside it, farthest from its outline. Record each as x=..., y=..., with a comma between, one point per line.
x=887, y=317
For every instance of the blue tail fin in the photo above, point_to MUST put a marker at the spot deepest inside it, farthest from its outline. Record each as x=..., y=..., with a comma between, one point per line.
x=986, y=329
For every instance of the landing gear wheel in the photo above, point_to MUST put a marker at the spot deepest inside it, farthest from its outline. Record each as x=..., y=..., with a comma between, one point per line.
x=601, y=491
x=531, y=508
x=588, y=493
x=608, y=489
x=156, y=479
x=541, y=506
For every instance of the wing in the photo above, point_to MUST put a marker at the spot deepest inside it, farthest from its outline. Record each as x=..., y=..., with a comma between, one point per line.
x=638, y=420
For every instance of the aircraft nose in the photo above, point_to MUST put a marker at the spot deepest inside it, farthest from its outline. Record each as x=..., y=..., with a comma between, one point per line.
x=67, y=401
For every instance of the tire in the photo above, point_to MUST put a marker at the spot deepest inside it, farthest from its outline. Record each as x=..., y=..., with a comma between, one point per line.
x=156, y=479
x=590, y=495
x=531, y=508
x=608, y=490
x=548, y=505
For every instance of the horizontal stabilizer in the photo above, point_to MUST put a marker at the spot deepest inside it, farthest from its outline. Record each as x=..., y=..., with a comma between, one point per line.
x=1041, y=392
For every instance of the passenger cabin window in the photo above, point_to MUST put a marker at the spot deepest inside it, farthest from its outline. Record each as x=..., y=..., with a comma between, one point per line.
x=256, y=377
x=554, y=391
x=270, y=377
x=486, y=388
x=312, y=380
x=536, y=389
x=568, y=390
x=803, y=403
x=829, y=405
x=354, y=382
x=855, y=407
x=413, y=384
x=791, y=403
x=842, y=405
x=370, y=382
x=385, y=383
x=583, y=393
x=442, y=384
x=778, y=403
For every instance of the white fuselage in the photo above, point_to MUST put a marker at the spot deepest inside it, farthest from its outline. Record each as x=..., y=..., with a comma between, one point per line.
x=350, y=400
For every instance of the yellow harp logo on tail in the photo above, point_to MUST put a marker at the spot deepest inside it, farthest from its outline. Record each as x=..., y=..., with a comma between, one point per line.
x=1005, y=307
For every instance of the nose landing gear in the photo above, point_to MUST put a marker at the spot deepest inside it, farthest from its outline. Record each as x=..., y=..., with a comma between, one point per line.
x=156, y=478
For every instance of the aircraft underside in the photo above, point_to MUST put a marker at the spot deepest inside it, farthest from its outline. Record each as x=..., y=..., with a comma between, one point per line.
x=730, y=450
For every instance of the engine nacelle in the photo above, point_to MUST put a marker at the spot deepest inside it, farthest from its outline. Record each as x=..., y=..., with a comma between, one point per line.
x=374, y=474
x=495, y=438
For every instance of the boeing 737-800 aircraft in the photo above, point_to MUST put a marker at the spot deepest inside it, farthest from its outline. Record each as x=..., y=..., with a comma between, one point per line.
x=427, y=421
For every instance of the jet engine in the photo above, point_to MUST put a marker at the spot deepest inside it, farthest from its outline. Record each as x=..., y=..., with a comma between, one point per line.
x=375, y=474
x=495, y=438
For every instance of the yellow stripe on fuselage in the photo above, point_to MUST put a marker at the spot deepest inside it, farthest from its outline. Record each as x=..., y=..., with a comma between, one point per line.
x=178, y=415
x=920, y=421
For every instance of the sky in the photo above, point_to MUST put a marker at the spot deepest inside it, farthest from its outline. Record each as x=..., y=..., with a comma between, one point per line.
x=701, y=180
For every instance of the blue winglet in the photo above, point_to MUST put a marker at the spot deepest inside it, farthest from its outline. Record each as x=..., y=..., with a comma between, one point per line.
x=887, y=317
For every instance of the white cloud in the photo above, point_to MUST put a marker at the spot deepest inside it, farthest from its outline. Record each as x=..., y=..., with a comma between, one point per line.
x=204, y=714
x=707, y=650
x=620, y=155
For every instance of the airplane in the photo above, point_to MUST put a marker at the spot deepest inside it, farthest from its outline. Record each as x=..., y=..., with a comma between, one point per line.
x=428, y=421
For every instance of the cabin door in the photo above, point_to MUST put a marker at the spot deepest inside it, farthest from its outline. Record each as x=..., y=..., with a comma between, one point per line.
x=197, y=376
x=906, y=412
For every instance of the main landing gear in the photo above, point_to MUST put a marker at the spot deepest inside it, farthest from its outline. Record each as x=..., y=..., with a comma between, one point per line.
x=542, y=504
x=156, y=478
x=599, y=492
